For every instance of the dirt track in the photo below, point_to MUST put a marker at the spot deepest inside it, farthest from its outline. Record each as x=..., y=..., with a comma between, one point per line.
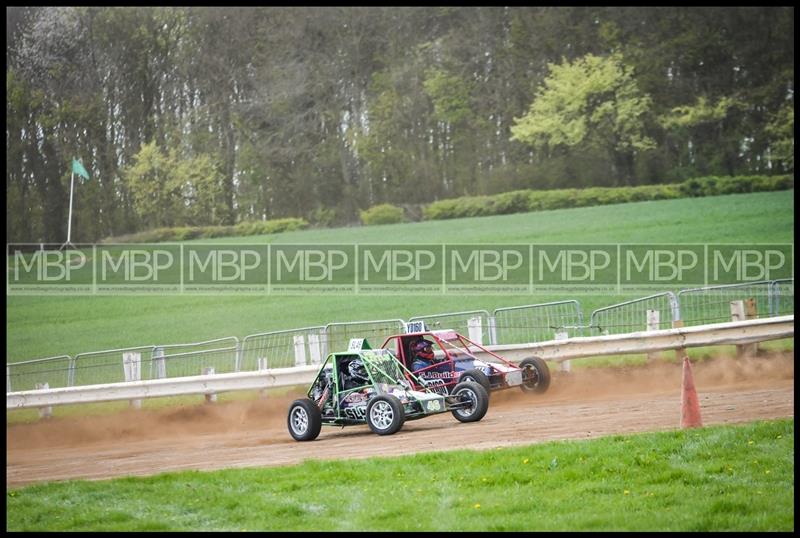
x=253, y=434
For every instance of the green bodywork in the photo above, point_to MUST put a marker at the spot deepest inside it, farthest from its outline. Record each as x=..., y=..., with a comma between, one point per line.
x=386, y=374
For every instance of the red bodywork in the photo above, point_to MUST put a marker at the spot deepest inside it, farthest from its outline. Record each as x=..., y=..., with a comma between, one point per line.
x=451, y=363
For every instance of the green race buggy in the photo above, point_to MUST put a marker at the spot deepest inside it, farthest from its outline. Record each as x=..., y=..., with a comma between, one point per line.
x=371, y=386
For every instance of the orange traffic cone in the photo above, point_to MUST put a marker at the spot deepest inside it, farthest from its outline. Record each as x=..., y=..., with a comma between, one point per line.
x=690, y=405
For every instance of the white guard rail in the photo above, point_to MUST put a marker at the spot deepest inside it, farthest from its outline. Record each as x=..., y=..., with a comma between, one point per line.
x=175, y=386
x=734, y=332
x=737, y=332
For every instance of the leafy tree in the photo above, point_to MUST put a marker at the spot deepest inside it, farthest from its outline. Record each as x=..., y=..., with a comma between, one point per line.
x=781, y=129
x=156, y=193
x=322, y=113
x=593, y=99
x=202, y=190
x=450, y=96
x=699, y=113
x=699, y=123
x=169, y=190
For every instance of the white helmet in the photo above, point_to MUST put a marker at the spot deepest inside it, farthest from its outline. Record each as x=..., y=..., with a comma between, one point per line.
x=357, y=370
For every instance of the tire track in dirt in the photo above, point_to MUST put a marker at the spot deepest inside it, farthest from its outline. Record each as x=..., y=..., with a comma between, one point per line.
x=585, y=404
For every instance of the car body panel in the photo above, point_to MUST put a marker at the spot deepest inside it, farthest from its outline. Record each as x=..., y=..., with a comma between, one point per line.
x=343, y=404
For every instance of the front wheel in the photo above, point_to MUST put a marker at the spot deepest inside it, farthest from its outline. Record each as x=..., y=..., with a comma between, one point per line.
x=304, y=420
x=385, y=414
x=477, y=398
x=535, y=375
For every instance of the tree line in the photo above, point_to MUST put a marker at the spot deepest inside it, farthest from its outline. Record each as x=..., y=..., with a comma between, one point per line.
x=191, y=116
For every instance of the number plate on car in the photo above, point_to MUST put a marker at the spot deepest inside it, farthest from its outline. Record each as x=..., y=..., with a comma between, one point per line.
x=434, y=405
x=514, y=378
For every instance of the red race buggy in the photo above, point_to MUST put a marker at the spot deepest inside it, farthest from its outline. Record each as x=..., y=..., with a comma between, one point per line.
x=442, y=359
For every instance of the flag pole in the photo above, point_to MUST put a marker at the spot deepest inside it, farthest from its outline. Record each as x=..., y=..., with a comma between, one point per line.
x=77, y=167
x=69, y=222
x=69, y=219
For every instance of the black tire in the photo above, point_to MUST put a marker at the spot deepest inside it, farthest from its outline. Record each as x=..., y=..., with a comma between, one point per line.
x=385, y=414
x=304, y=420
x=535, y=375
x=476, y=376
x=478, y=395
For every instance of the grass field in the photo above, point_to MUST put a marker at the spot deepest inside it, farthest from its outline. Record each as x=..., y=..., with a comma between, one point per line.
x=721, y=478
x=732, y=478
x=47, y=326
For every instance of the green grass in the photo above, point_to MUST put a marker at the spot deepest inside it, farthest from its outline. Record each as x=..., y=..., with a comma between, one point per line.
x=723, y=478
x=731, y=478
x=738, y=218
x=47, y=326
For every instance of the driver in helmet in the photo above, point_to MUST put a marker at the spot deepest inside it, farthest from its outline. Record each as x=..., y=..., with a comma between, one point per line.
x=421, y=354
x=356, y=375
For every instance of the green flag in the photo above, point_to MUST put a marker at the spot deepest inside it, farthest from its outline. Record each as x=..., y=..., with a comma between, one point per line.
x=77, y=168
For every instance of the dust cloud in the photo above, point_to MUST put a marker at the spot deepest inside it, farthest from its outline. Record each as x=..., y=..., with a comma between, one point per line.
x=269, y=413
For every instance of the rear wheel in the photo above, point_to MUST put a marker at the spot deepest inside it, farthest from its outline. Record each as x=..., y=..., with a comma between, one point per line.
x=304, y=420
x=476, y=376
x=385, y=414
x=478, y=400
x=535, y=375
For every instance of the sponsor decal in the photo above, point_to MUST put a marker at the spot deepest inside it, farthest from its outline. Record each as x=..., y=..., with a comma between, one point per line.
x=356, y=413
x=355, y=397
x=438, y=375
x=434, y=405
x=435, y=385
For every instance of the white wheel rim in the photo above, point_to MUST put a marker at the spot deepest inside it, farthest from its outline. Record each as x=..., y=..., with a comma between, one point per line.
x=299, y=420
x=381, y=415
